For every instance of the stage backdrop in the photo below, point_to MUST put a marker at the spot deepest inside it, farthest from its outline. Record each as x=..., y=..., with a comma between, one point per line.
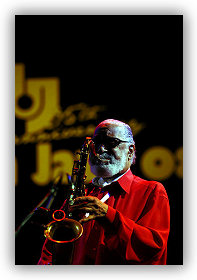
x=73, y=72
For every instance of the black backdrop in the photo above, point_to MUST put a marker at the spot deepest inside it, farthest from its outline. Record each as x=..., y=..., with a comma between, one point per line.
x=130, y=64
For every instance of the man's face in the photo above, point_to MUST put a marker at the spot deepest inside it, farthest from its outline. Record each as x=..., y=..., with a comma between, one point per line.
x=109, y=156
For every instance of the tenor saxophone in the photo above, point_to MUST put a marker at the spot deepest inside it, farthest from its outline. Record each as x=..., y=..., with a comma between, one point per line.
x=64, y=229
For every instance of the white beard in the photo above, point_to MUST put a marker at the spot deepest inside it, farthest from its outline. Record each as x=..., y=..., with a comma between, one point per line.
x=110, y=168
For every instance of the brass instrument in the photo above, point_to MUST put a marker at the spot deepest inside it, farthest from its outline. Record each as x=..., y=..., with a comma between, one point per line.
x=64, y=230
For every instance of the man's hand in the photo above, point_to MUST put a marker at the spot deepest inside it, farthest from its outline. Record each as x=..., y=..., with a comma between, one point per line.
x=91, y=205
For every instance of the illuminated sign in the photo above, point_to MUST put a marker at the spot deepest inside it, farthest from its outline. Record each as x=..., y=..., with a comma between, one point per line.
x=37, y=102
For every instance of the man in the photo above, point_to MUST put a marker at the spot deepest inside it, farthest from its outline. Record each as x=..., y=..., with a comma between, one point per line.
x=128, y=218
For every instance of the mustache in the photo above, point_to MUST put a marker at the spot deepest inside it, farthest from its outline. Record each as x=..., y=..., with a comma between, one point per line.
x=95, y=157
x=101, y=156
x=104, y=156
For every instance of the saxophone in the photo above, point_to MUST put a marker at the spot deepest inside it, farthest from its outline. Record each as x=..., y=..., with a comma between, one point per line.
x=64, y=229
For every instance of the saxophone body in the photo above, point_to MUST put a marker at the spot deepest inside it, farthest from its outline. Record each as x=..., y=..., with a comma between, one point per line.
x=64, y=229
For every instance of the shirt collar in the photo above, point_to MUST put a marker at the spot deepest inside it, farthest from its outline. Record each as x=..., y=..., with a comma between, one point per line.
x=124, y=181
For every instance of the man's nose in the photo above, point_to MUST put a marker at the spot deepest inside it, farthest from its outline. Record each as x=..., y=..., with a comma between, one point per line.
x=102, y=148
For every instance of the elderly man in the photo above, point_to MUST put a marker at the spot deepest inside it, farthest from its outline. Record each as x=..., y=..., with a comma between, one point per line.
x=129, y=218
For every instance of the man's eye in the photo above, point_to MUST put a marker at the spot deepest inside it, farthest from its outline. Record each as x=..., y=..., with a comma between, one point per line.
x=113, y=142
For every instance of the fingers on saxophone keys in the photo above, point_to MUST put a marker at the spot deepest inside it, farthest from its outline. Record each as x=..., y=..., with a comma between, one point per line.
x=81, y=209
x=84, y=199
x=78, y=205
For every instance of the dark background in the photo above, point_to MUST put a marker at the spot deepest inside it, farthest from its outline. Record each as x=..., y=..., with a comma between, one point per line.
x=131, y=64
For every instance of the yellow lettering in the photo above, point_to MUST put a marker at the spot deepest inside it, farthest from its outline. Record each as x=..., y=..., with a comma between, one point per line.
x=43, y=96
x=179, y=157
x=157, y=163
x=19, y=80
x=43, y=174
x=136, y=126
x=62, y=164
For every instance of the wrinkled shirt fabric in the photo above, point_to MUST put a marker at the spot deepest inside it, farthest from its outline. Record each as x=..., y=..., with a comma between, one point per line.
x=135, y=230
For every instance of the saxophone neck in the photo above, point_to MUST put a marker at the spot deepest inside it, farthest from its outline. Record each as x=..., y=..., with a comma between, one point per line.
x=79, y=169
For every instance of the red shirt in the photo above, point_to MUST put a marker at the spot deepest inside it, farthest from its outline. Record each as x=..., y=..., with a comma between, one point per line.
x=134, y=231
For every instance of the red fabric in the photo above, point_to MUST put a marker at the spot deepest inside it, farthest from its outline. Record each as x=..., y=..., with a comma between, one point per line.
x=134, y=231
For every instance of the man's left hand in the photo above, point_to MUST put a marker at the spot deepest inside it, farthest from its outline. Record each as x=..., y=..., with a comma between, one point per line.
x=91, y=205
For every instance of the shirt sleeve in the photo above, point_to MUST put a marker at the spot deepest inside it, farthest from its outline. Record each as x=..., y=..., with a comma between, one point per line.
x=143, y=240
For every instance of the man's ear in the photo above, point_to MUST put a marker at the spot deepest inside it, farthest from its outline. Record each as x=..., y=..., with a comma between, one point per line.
x=131, y=151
